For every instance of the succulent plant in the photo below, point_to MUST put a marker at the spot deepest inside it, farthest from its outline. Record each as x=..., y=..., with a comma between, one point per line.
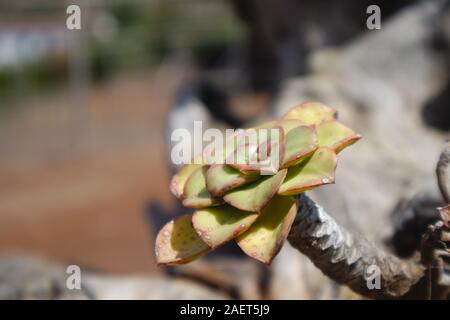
x=235, y=201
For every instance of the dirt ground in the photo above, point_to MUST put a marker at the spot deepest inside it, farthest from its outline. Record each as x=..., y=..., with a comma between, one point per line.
x=76, y=179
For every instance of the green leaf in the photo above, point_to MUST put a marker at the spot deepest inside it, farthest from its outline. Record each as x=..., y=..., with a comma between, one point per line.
x=267, y=125
x=211, y=155
x=177, y=242
x=266, y=236
x=259, y=209
x=311, y=113
x=221, y=178
x=245, y=158
x=300, y=142
x=255, y=196
x=220, y=224
x=244, y=155
x=195, y=192
x=312, y=172
x=336, y=136
x=179, y=180
x=259, y=153
x=290, y=124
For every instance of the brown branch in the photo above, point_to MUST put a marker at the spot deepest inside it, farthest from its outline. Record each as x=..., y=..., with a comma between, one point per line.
x=435, y=254
x=442, y=173
x=346, y=257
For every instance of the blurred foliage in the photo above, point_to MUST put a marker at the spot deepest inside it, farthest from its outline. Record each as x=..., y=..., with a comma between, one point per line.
x=149, y=34
x=6, y=81
x=143, y=36
x=48, y=73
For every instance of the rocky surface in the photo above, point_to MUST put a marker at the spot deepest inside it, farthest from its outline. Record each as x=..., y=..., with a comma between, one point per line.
x=26, y=277
x=378, y=83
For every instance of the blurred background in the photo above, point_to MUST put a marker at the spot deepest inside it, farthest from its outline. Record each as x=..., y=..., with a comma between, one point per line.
x=86, y=116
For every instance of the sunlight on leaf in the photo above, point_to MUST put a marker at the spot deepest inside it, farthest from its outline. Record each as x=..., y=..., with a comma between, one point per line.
x=177, y=242
x=179, y=180
x=255, y=196
x=336, y=136
x=315, y=171
x=311, y=113
x=290, y=124
x=222, y=178
x=195, y=192
x=300, y=143
x=217, y=225
x=266, y=236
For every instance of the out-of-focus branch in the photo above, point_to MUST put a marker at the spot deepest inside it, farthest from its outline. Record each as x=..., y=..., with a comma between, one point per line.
x=346, y=257
x=435, y=255
x=442, y=172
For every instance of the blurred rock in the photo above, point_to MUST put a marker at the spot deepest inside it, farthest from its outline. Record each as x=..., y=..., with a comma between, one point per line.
x=240, y=278
x=378, y=83
x=411, y=218
x=289, y=279
x=283, y=32
x=25, y=277
x=148, y=288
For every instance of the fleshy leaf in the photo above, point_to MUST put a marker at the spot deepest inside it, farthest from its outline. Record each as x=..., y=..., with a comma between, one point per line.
x=218, y=225
x=255, y=196
x=289, y=124
x=211, y=155
x=195, y=192
x=336, y=136
x=221, y=178
x=267, y=125
x=300, y=142
x=177, y=242
x=259, y=153
x=311, y=113
x=244, y=158
x=312, y=172
x=271, y=151
x=179, y=180
x=266, y=236
x=245, y=149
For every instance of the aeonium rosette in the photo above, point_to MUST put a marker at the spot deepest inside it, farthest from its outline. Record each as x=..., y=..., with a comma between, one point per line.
x=244, y=192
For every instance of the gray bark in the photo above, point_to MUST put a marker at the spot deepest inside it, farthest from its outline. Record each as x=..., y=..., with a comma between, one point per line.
x=345, y=257
x=442, y=172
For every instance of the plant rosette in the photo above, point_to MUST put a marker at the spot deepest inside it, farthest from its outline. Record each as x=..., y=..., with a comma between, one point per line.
x=237, y=202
